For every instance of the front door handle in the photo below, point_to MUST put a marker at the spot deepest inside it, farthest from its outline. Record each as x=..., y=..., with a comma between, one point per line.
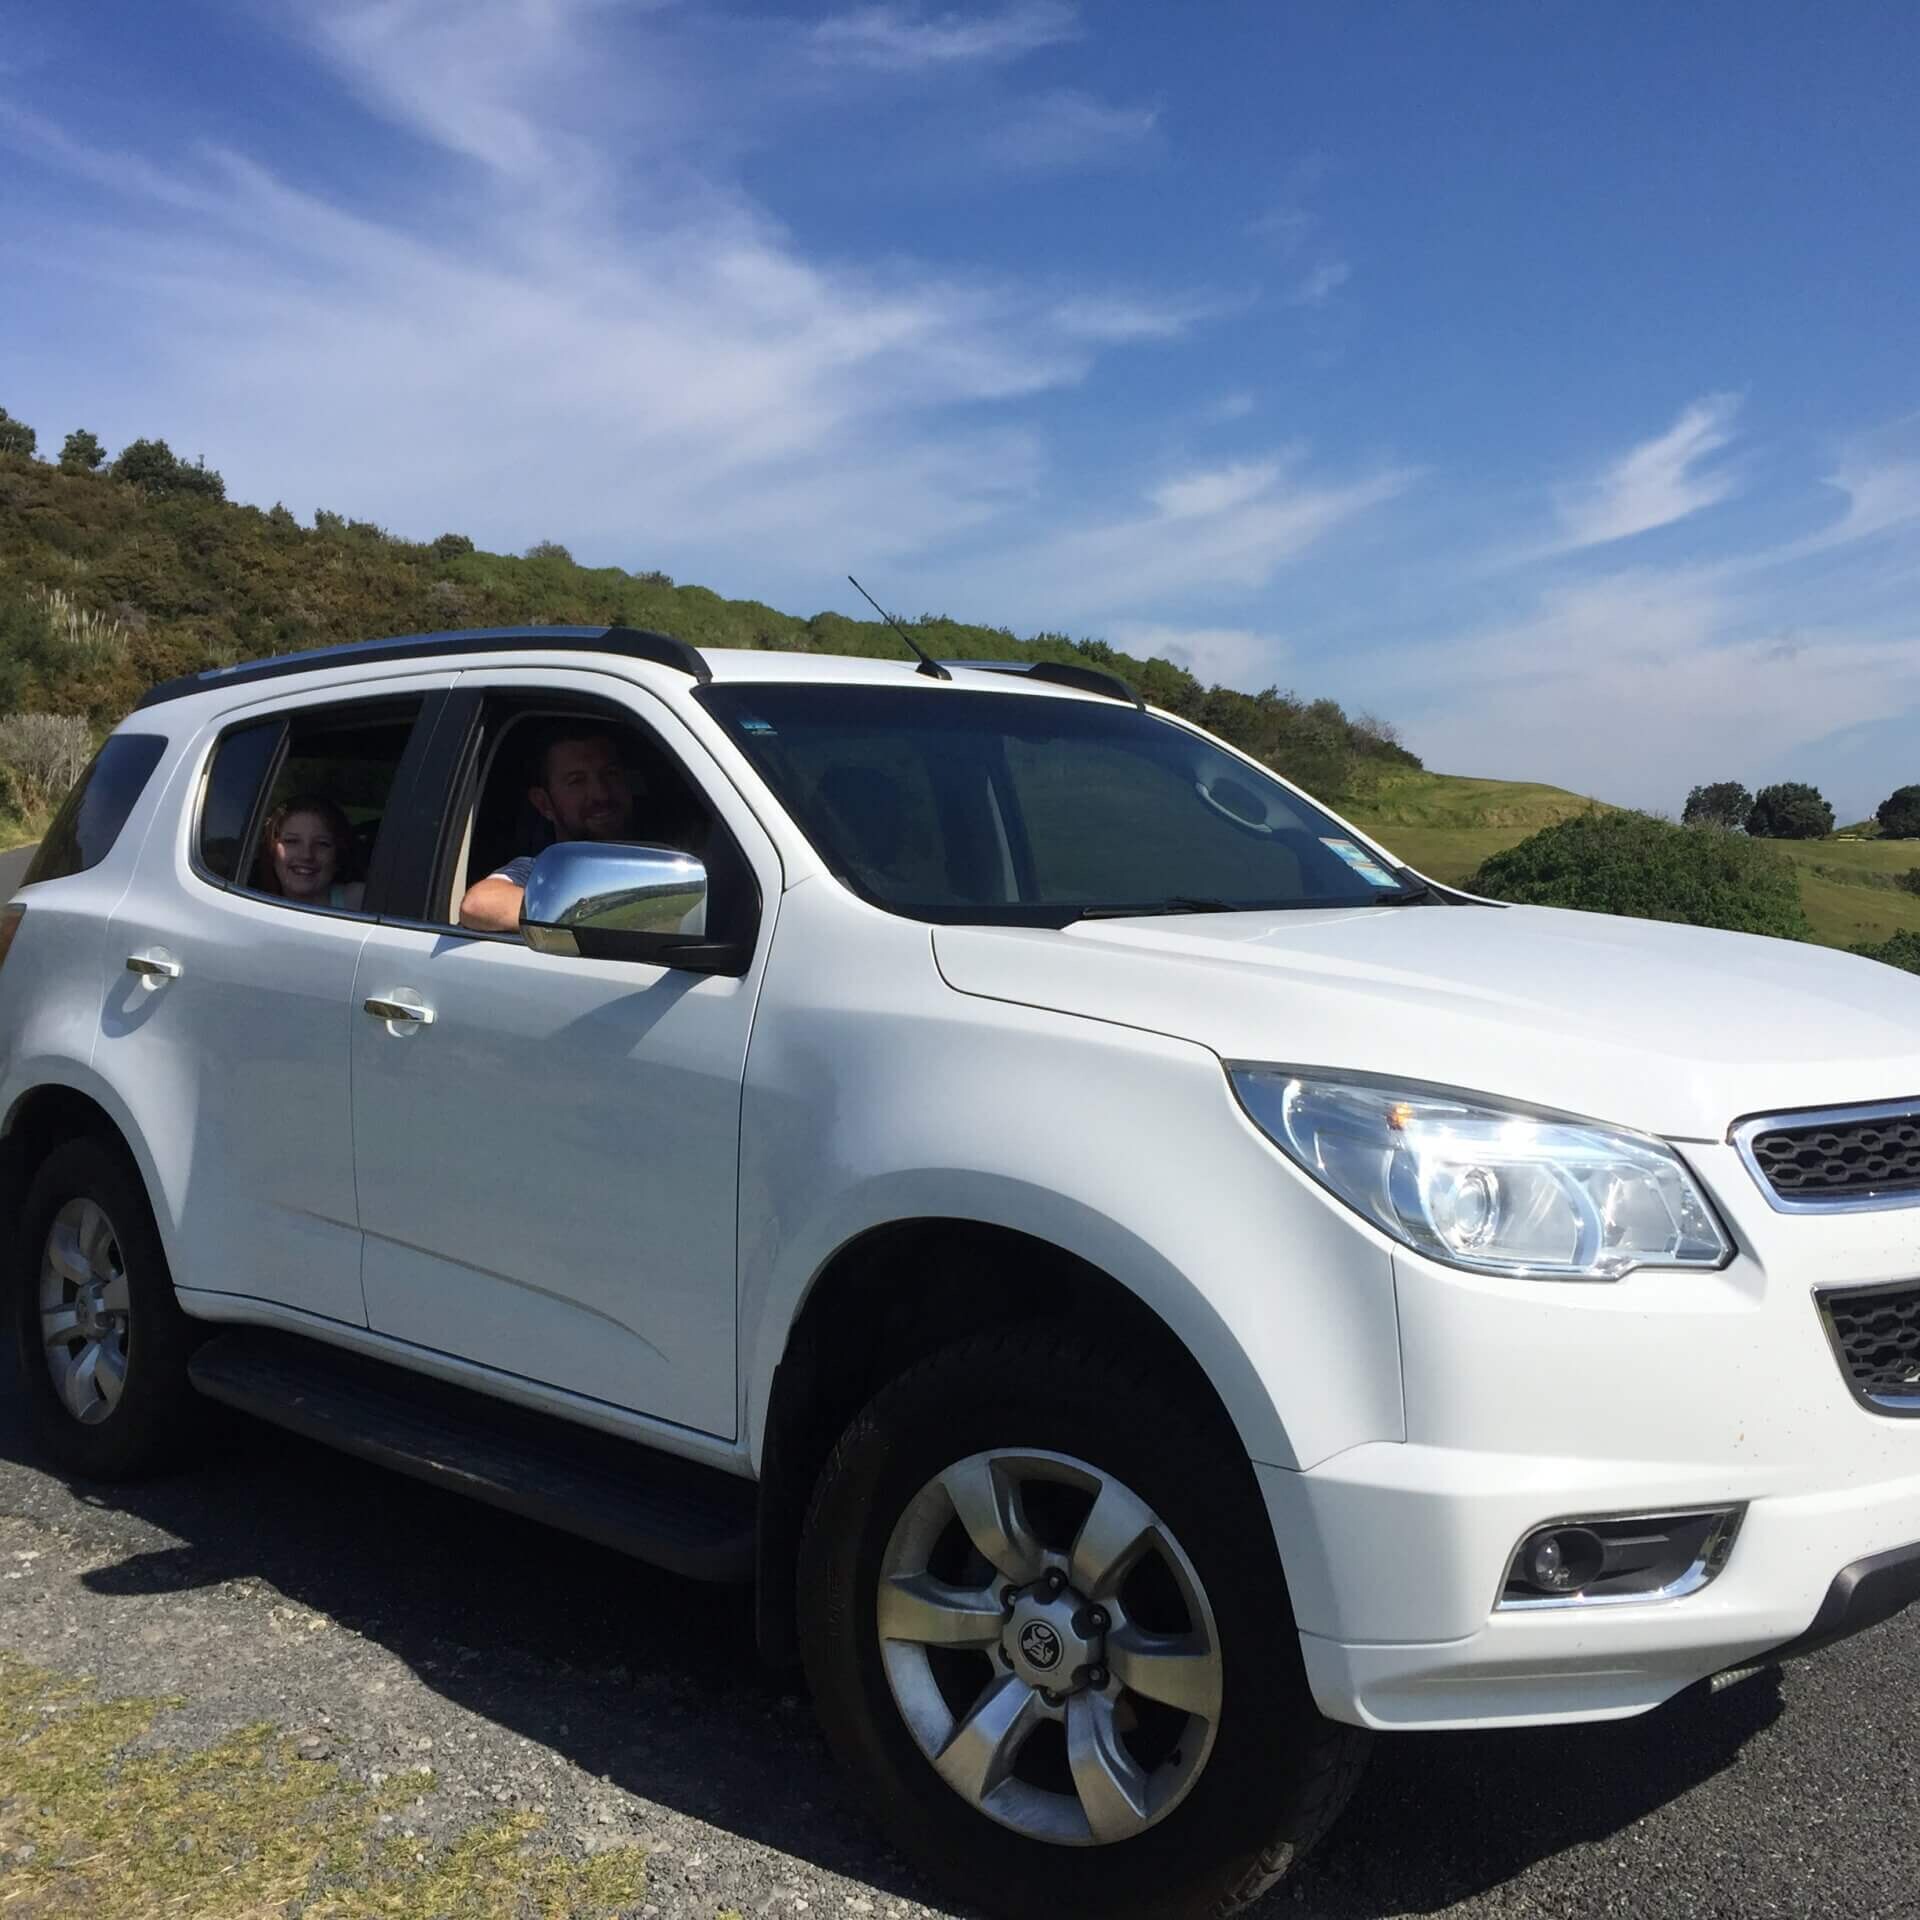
x=151, y=967
x=385, y=1009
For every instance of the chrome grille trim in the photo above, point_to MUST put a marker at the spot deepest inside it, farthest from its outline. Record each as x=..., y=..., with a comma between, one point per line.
x=1843, y=1200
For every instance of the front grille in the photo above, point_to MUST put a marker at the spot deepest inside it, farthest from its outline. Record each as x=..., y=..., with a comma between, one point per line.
x=1870, y=1155
x=1876, y=1338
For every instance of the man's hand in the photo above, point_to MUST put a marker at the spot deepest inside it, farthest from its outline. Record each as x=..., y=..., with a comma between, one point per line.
x=492, y=905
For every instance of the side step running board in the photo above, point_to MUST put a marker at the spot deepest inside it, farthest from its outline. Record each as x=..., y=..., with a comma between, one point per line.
x=676, y=1514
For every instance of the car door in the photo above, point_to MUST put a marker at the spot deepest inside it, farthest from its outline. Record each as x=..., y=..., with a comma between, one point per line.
x=226, y=1017
x=547, y=1150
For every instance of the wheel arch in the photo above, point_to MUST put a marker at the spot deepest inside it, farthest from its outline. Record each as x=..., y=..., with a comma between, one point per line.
x=859, y=1327
x=48, y=1112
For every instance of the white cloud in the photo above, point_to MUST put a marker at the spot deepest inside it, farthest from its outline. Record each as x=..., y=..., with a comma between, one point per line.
x=1319, y=286
x=1227, y=529
x=1635, y=686
x=907, y=38
x=1880, y=475
x=1243, y=657
x=593, y=332
x=1120, y=318
x=1058, y=130
x=1233, y=406
x=1659, y=481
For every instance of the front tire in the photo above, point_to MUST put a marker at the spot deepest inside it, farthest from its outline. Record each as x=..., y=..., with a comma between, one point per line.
x=101, y=1340
x=1047, y=1631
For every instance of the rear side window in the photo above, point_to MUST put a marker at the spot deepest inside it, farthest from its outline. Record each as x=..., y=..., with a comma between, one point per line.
x=293, y=805
x=239, y=771
x=89, y=822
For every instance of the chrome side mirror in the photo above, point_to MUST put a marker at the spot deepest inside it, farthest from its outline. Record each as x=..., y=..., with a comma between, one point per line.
x=608, y=900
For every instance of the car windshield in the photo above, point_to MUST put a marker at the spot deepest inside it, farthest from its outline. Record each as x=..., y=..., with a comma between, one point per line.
x=958, y=806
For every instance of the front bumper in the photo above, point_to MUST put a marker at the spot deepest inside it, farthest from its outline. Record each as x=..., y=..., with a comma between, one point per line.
x=1531, y=1402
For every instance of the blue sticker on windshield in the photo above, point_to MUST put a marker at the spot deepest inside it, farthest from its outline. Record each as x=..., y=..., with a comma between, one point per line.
x=1361, y=861
x=748, y=724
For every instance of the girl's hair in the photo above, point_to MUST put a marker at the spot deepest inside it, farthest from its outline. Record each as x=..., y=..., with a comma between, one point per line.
x=266, y=880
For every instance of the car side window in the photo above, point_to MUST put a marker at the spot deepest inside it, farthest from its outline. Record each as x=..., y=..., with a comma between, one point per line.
x=544, y=771
x=89, y=822
x=294, y=805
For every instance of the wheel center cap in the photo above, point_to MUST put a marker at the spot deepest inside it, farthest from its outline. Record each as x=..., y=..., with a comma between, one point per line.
x=1045, y=1645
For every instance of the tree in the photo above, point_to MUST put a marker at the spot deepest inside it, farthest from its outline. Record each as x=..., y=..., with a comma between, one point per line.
x=154, y=467
x=1725, y=803
x=1903, y=950
x=1790, y=811
x=1633, y=864
x=16, y=436
x=549, y=550
x=81, y=452
x=1899, y=814
x=451, y=545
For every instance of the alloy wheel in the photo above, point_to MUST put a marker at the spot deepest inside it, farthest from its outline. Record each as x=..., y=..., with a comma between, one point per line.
x=85, y=1310
x=1050, y=1646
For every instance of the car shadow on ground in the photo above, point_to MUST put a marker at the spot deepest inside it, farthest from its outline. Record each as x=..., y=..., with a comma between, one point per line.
x=652, y=1682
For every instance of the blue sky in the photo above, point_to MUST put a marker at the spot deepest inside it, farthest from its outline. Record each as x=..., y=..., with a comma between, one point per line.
x=1542, y=377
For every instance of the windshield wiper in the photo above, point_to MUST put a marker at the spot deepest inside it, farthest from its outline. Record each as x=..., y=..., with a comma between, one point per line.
x=1174, y=903
x=1419, y=895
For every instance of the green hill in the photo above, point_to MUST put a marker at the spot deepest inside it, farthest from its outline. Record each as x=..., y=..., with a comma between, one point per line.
x=1446, y=826
x=112, y=577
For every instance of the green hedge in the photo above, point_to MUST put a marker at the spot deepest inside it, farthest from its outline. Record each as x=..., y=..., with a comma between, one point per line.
x=1650, y=869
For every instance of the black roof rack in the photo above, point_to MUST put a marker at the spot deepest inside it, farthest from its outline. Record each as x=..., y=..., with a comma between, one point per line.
x=633, y=643
x=1060, y=673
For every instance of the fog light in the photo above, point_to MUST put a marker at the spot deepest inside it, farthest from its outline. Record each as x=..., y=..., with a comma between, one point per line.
x=1619, y=1558
x=1563, y=1559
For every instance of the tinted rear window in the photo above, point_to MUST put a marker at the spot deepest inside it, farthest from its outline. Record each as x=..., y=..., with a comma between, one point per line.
x=87, y=825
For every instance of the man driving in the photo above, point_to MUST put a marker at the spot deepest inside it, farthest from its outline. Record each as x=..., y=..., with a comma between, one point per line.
x=581, y=787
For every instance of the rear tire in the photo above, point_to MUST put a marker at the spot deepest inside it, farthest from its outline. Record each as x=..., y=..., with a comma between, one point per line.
x=1180, y=1767
x=101, y=1340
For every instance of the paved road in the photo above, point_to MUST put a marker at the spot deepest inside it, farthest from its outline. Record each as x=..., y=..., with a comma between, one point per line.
x=13, y=868
x=286, y=1583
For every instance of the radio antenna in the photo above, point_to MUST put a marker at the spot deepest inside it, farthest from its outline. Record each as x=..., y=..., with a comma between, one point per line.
x=928, y=664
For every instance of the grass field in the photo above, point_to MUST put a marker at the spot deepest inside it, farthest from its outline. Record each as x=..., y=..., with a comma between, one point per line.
x=1446, y=826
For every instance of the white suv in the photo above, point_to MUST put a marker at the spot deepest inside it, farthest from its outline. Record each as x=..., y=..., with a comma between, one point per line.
x=1147, y=1285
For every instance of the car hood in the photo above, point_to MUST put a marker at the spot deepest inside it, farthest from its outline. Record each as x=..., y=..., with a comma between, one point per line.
x=1675, y=1030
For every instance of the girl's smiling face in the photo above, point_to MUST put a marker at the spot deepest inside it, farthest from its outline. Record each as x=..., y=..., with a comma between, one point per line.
x=305, y=856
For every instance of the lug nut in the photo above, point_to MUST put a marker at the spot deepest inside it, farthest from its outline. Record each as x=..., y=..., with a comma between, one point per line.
x=1097, y=1678
x=1007, y=1599
x=1097, y=1621
x=1056, y=1580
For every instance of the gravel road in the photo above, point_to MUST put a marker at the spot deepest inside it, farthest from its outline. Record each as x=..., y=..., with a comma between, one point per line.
x=390, y=1627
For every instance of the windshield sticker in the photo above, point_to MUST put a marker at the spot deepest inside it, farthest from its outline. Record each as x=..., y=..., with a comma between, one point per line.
x=1361, y=861
x=752, y=723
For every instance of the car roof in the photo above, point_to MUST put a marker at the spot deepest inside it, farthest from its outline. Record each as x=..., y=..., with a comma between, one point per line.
x=703, y=665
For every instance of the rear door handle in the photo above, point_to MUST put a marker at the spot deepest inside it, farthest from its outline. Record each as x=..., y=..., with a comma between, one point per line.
x=151, y=967
x=384, y=1009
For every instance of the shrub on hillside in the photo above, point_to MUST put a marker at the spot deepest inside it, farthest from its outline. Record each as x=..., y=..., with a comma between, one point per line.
x=1899, y=814
x=549, y=550
x=1903, y=951
x=1909, y=882
x=16, y=436
x=1650, y=869
x=1790, y=811
x=81, y=452
x=154, y=467
x=1723, y=803
x=47, y=752
x=29, y=651
x=450, y=545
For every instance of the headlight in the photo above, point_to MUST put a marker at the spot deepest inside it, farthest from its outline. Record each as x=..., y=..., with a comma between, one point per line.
x=1489, y=1187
